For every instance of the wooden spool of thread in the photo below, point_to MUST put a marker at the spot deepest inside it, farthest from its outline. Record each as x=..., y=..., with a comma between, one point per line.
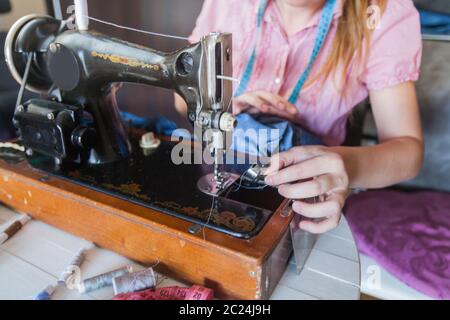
x=136, y=281
x=103, y=280
x=13, y=229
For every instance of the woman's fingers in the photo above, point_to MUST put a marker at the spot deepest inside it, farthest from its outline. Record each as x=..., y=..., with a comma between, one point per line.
x=322, y=226
x=308, y=172
x=325, y=215
x=277, y=101
x=307, y=169
x=289, y=158
x=247, y=101
x=308, y=189
x=333, y=206
x=265, y=102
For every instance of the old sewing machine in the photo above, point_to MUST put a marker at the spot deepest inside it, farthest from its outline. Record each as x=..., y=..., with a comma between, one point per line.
x=85, y=173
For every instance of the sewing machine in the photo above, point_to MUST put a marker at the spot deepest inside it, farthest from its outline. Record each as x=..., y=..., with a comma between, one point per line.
x=87, y=174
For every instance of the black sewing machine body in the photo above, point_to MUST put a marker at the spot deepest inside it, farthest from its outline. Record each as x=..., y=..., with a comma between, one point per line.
x=75, y=132
x=153, y=181
x=82, y=68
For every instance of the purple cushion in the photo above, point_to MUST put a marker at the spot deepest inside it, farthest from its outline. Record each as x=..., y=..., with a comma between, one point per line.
x=406, y=233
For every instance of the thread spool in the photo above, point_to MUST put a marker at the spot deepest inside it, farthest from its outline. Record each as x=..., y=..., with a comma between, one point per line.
x=103, y=280
x=149, y=143
x=134, y=282
x=45, y=294
x=76, y=262
x=15, y=227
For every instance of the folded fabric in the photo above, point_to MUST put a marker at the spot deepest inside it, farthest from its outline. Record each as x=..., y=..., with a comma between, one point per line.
x=256, y=135
x=408, y=234
x=434, y=22
x=262, y=135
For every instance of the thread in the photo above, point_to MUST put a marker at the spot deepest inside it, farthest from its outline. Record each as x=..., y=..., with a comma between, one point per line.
x=76, y=262
x=14, y=228
x=136, y=30
x=220, y=77
x=240, y=184
x=209, y=218
x=26, y=73
x=235, y=80
x=133, y=282
x=46, y=293
x=160, y=279
x=233, y=190
x=103, y=280
x=164, y=35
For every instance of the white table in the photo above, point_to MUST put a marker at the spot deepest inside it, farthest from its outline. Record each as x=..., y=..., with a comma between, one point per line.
x=36, y=256
x=388, y=286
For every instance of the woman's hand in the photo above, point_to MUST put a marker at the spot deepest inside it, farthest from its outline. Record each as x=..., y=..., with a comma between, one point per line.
x=308, y=172
x=264, y=102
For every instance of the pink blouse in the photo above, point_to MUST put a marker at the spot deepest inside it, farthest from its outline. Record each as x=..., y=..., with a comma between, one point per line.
x=394, y=58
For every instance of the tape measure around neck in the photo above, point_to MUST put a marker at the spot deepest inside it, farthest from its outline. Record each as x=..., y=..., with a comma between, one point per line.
x=322, y=32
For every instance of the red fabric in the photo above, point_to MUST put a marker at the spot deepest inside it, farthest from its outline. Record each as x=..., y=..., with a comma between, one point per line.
x=169, y=293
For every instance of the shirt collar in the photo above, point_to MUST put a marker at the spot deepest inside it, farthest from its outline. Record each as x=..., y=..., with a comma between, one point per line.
x=272, y=13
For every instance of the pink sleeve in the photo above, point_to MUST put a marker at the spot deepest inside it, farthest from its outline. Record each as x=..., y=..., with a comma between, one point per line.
x=396, y=49
x=206, y=21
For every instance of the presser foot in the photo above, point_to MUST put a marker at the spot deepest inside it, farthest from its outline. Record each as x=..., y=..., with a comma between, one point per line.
x=213, y=184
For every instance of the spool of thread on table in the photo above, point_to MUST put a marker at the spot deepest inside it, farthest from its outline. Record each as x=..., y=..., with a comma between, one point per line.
x=76, y=262
x=13, y=229
x=45, y=294
x=103, y=280
x=134, y=282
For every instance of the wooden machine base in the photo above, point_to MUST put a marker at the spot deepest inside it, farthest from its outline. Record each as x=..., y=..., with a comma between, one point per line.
x=234, y=268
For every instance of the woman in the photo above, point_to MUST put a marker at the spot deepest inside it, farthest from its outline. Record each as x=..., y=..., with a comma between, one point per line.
x=360, y=57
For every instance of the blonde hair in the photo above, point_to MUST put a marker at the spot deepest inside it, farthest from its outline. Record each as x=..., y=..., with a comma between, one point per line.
x=352, y=41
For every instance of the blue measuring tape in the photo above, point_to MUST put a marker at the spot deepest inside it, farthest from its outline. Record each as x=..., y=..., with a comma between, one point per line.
x=323, y=30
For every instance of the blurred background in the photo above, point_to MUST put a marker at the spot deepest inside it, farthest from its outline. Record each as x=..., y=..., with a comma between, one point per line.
x=166, y=16
x=163, y=16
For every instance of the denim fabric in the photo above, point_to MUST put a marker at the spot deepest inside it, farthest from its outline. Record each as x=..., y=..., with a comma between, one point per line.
x=434, y=22
x=273, y=135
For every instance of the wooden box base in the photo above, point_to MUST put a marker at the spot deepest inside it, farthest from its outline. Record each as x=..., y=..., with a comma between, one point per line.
x=234, y=268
